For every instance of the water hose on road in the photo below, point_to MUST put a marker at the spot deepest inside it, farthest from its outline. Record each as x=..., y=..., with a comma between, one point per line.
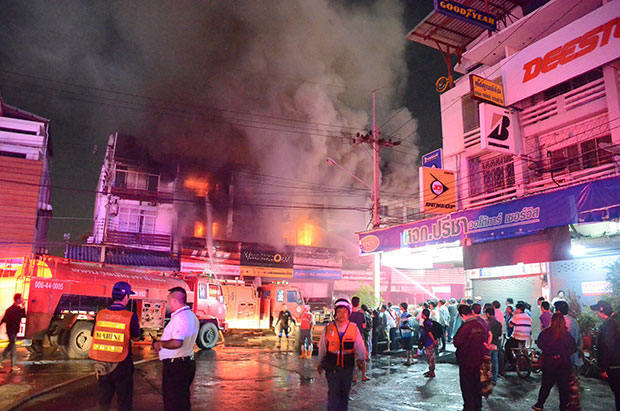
x=30, y=397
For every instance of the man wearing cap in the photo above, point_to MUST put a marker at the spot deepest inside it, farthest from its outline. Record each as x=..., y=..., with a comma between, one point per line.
x=115, y=327
x=176, y=351
x=608, y=351
x=340, y=347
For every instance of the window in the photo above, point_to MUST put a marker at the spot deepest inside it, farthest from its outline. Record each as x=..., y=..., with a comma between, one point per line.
x=579, y=156
x=136, y=180
x=266, y=294
x=572, y=84
x=214, y=291
x=134, y=220
x=291, y=297
x=490, y=175
x=202, y=291
x=471, y=114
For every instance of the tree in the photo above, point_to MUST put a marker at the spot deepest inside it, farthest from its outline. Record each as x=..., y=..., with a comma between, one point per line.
x=367, y=296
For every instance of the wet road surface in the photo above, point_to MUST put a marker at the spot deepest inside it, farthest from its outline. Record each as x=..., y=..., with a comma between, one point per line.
x=258, y=376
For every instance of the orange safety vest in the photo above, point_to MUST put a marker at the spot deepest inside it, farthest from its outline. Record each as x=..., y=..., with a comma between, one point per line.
x=111, y=337
x=341, y=349
x=305, y=321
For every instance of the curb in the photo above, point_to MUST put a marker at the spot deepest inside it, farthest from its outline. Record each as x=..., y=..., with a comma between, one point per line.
x=31, y=397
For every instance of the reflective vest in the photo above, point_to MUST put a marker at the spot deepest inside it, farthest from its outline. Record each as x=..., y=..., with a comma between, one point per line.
x=341, y=350
x=111, y=337
x=305, y=322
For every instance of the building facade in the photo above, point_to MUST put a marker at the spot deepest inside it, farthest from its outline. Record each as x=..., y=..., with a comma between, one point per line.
x=531, y=129
x=25, y=160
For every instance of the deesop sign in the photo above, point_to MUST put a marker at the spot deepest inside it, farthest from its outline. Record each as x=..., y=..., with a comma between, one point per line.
x=581, y=46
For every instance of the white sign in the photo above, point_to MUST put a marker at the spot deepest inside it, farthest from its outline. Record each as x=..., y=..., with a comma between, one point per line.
x=583, y=45
x=442, y=289
x=595, y=287
x=197, y=266
x=497, y=129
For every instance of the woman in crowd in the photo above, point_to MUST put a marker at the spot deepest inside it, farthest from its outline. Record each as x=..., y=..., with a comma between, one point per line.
x=557, y=347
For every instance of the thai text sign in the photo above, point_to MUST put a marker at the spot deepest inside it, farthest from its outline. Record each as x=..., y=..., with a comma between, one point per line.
x=594, y=201
x=582, y=45
x=486, y=90
x=437, y=190
x=465, y=13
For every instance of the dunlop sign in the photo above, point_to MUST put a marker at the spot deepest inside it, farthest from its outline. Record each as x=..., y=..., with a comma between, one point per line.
x=466, y=13
x=437, y=191
x=486, y=90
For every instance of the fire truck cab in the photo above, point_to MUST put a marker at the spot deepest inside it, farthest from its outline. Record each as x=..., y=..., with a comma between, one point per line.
x=278, y=293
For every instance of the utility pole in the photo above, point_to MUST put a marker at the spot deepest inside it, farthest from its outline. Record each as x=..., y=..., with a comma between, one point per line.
x=377, y=145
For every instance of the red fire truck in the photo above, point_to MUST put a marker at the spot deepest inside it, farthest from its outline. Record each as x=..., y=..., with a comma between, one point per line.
x=250, y=307
x=63, y=297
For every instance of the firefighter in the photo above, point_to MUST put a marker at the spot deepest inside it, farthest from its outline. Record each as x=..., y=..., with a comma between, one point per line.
x=115, y=327
x=306, y=321
x=340, y=347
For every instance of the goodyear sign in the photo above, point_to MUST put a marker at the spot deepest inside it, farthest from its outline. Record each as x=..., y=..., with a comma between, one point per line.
x=486, y=90
x=437, y=191
x=466, y=13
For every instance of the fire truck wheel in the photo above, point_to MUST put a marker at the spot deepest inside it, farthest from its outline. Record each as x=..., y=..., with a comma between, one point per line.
x=42, y=347
x=207, y=336
x=79, y=341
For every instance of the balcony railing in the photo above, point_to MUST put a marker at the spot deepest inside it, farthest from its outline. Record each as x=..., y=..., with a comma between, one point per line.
x=143, y=195
x=563, y=103
x=160, y=241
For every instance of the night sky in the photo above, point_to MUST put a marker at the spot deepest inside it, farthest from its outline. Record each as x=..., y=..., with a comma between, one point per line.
x=188, y=76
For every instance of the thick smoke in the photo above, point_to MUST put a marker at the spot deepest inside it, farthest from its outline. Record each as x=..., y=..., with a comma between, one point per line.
x=278, y=86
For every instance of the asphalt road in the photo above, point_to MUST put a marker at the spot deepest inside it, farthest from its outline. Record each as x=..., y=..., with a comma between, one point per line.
x=258, y=376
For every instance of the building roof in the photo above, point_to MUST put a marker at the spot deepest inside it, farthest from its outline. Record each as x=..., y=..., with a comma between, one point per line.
x=123, y=256
x=449, y=34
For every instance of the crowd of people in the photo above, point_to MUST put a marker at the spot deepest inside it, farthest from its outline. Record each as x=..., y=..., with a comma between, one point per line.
x=485, y=337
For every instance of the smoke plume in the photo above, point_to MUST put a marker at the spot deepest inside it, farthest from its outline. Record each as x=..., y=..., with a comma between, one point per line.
x=276, y=86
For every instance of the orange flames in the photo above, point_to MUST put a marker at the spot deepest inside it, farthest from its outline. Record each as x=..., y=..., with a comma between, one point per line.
x=200, y=229
x=200, y=185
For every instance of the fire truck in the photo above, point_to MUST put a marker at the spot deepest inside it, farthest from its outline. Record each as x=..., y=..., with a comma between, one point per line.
x=251, y=307
x=63, y=297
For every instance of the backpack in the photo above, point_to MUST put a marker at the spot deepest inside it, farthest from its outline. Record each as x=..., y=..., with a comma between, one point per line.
x=437, y=330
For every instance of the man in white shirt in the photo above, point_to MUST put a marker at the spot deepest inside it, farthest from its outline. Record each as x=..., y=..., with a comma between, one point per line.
x=176, y=351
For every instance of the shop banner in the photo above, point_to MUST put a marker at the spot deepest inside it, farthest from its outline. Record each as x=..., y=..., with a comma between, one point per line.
x=589, y=202
x=317, y=274
x=266, y=272
x=580, y=46
x=318, y=257
x=257, y=255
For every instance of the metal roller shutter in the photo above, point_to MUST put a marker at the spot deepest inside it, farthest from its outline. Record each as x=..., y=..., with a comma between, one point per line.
x=523, y=288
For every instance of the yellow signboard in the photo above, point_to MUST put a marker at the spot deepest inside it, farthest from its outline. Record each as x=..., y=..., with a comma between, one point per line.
x=437, y=190
x=483, y=89
x=266, y=271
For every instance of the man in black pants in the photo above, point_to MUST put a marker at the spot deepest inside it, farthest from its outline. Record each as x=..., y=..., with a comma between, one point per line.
x=12, y=318
x=470, y=350
x=176, y=351
x=608, y=351
x=114, y=328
